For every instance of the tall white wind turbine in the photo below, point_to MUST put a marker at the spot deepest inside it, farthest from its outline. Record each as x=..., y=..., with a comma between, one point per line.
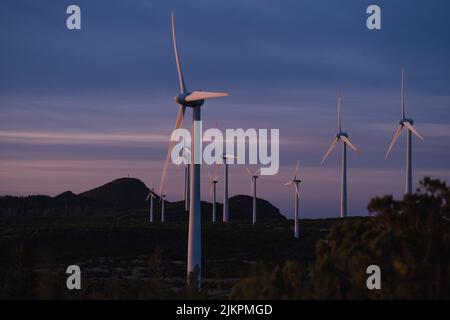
x=409, y=125
x=295, y=182
x=341, y=136
x=192, y=100
x=150, y=197
x=225, y=158
x=253, y=177
x=212, y=192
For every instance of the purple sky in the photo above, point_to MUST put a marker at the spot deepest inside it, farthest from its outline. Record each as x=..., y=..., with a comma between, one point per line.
x=79, y=109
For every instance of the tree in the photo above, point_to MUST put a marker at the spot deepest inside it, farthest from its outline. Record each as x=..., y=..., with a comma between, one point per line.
x=408, y=239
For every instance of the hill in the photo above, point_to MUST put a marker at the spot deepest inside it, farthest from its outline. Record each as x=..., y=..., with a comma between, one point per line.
x=122, y=193
x=70, y=199
x=241, y=206
x=240, y=210
x=127, y=194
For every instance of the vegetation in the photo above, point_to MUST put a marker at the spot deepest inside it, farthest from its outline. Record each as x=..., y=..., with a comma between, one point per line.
x=408, y=239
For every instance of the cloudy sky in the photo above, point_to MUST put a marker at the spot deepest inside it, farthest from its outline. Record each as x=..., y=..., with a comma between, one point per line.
x=80, y=108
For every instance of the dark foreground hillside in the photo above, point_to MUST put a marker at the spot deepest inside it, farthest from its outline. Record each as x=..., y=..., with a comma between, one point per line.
x=125, y=250
x=123, y=256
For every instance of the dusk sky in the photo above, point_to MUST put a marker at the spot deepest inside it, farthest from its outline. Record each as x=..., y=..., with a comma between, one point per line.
x=81, y=108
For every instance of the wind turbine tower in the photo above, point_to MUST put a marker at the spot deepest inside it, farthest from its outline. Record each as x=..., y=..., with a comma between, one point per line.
x=225, y=158
x=150, y=197
x=212, y=192
x=253, y=177
x=163, y=201
x=187, y=167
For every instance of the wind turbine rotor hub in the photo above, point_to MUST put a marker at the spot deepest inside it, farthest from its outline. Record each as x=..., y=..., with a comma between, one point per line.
x=402, y=121
x=181, y=99
x=342, y=134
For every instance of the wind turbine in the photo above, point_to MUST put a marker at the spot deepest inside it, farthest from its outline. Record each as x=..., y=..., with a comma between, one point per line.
x=408, y=124
x=225, y=157
x=192, y=100
x=341, y=136
x=295, y=182
x=150, y=197
x=212, y=192
x=253, y=177
x=162, y=199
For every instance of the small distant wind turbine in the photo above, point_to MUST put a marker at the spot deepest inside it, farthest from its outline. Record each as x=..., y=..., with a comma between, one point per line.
x=225, y=157
x=253, y=177
x=408, y=124
x=193, y=100
x=345, y=142
x=162, y=199
x=212, y=192
x=295, y=182
x=150, y=197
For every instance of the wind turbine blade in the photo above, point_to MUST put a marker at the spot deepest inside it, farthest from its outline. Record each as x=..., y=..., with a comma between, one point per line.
x=151, y=193
x=203, y=95
x=216, y=174
x=187, y=150
x=413, y=130
x=229, y=156
x=394, y=140
x=177, y=57
x=339, y=111
x=296, y=170
x=330, y=149
x=209, y=175
x=289, y=183
x=402, y=95
x=248, y=171
x=211, y=189
x=347, y=141
x=257, y=172
x=186, y=156
x=178, y=123
x=296, y=190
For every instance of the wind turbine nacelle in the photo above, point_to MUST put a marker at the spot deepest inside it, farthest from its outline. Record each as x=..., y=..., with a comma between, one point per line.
x=402, y=121
x=342, y=134
x=181, y=99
